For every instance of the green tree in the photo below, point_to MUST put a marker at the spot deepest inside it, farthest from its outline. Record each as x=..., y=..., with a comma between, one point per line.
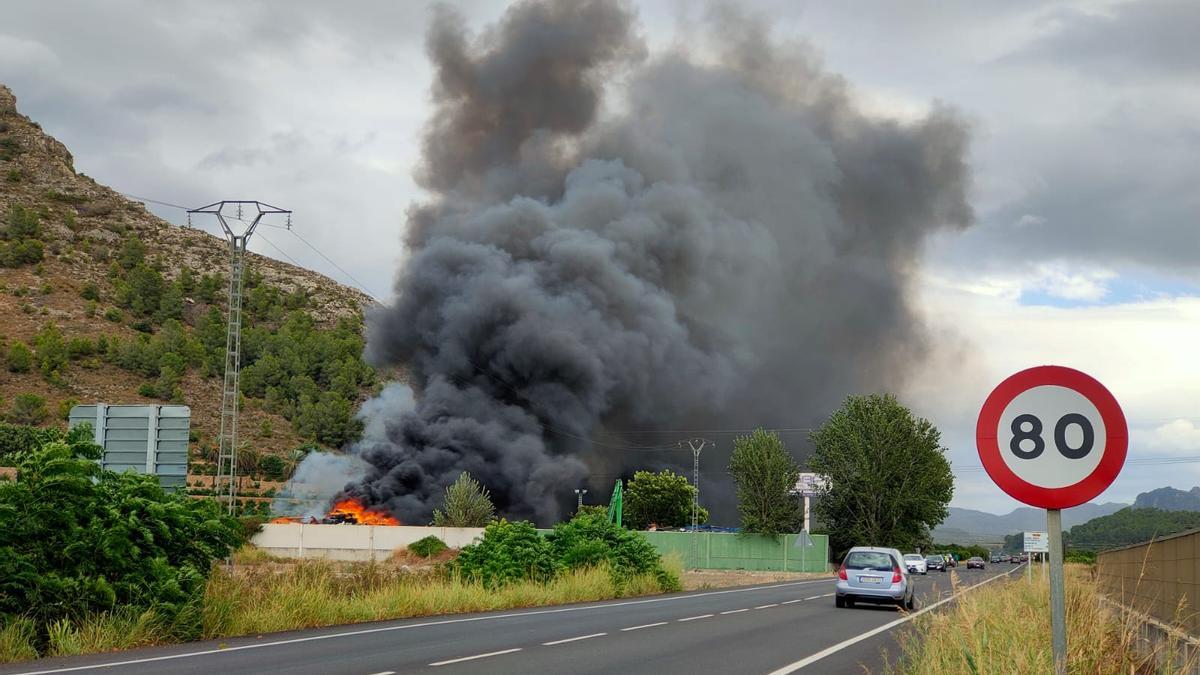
x=20, y=358
x=273, y=467
x=766, y=476
x=28, y=409
x=76, y=540
x=51, y=350
x=132, y=254
x=329, y=420
x=466, y=504
x=508, y=552
x=663, y=498
x=889, y=481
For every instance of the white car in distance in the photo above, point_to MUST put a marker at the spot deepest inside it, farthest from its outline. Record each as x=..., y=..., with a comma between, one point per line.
x=915, y=562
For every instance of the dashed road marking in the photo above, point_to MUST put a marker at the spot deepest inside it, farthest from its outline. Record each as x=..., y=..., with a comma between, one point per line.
x=773, y=604
x=693, y=618
x=735, y=611
x=645, y=625
x=813, y=597
x=477, y=656
x=581, y=637
x=791, y=601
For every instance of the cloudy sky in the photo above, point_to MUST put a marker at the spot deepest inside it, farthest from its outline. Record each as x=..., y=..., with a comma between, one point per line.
x=1085, y=151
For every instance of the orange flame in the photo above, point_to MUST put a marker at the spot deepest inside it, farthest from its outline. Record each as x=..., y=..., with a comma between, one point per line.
x=352, y=511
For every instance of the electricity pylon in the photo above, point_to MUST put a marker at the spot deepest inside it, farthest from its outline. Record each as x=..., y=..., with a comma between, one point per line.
x=225, y=483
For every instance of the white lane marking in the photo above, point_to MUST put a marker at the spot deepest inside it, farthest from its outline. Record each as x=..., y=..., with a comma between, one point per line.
x=477, y=656
x=773, y=604
x=386, y=629
x=809, y=660
x=791, y=601
x=735, y=611
x=827, y=595
x=813, y=597
x=581, y=637
x=645, y=625
x=693, y=618
x=385, y=672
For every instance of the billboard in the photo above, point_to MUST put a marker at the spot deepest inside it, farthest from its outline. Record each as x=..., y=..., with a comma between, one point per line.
x=810, y=484
x=151, y=439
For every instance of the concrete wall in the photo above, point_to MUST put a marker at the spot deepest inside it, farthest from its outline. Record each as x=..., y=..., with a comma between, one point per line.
x=1160, y=578
x=717, y=550
x=352, y=542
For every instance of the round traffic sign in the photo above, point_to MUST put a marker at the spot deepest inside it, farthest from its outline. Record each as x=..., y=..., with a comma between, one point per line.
x=1052, y=437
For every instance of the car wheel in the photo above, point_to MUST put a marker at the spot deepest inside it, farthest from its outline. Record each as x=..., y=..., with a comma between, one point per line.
x=850, y=603
x=839, y=601
x=911, y=604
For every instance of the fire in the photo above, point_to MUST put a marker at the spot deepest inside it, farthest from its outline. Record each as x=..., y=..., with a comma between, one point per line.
x=353, y=512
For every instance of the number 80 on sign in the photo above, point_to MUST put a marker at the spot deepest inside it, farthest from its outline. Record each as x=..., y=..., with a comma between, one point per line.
x=1052, y=437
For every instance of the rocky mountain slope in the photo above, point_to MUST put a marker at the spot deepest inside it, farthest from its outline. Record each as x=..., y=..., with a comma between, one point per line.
x=100, y=300
x=1169, y=499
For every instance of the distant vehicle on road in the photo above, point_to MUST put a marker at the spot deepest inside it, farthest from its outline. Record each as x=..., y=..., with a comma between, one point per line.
x=935, y=562
x=995, y=558
x=915, y=563
x=1024, y=557
x=975, y=562
x=1016, y=559
x=951, y=561
x=873, y=575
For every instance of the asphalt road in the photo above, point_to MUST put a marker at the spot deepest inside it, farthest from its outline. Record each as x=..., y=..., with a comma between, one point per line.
x=757, y=629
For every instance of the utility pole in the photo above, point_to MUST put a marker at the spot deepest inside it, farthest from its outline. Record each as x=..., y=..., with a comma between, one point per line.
x=696, y=445
x=579, y=493
x=225, y=483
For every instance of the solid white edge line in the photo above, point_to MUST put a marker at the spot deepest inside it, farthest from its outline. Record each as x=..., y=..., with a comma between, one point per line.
x=735, y=611
x=477, y=656
x=385, y=629
x=693, y=618
x=773, y=604
x=645, y=625
x=809, y=660
x=581, y=637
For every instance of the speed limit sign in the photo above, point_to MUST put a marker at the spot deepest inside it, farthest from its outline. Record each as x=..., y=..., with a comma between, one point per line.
x=1052, y=437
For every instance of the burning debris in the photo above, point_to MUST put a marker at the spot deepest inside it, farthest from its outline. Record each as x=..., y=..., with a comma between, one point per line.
x=731, y=244
x=352, y=512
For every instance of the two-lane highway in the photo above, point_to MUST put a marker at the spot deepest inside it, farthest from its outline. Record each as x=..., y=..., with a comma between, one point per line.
x=757, y=629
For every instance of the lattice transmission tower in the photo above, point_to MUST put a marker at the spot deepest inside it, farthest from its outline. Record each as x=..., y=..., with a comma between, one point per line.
x=225, y=483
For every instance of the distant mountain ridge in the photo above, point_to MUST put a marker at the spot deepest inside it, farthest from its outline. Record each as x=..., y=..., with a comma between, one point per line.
x=1169, y=499
x=979, y=525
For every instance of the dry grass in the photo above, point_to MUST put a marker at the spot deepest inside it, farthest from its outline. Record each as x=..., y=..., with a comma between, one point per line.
x=1004, y=627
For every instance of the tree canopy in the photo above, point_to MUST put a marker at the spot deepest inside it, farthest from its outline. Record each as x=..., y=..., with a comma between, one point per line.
x=766, y=477
x=466, y=504
x=75, y=539
x=663, y=498
x=1129, y=526
x=889, y=482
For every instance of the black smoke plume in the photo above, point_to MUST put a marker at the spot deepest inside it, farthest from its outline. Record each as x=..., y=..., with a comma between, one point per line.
x=730, y=243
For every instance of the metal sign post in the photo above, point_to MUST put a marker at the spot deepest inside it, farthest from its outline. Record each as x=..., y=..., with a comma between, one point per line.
x=1053, y=438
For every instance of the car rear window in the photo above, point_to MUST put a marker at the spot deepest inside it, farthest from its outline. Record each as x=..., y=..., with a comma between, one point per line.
x=934, y=558
x=869, y=560
x=912, y=556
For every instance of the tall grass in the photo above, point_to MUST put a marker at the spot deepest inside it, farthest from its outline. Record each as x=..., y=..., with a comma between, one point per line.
x=263, y=596
x=1004, y=627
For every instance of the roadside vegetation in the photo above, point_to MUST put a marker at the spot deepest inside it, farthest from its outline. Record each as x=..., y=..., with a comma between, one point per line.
x=1004, y=627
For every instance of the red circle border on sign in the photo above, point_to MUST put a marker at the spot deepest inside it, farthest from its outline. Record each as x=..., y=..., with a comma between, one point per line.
x=1115, y=447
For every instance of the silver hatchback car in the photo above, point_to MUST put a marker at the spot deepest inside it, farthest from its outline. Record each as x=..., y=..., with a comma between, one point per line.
x=874, y=575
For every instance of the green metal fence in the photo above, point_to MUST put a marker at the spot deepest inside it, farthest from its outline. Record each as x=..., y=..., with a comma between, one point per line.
x=727, y=551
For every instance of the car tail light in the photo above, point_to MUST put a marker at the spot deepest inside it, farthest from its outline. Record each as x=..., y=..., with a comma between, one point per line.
x=895, y=575
x=842, y=573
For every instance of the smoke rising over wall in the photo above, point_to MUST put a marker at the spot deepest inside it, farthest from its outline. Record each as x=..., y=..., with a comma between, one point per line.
x=728, y=242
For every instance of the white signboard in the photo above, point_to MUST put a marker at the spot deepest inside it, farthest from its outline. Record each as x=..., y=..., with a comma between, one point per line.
x=1037, y=542
x=810, y=484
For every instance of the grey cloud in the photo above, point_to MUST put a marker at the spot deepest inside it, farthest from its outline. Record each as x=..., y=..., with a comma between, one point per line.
x=1143, y=39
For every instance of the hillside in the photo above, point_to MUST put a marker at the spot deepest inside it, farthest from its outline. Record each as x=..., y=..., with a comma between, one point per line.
x=1130, y=526
x=101, y=300
x=1169, y=499
x=980, y=525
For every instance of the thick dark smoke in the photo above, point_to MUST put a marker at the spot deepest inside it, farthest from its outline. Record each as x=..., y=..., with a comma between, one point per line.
x=729, y=244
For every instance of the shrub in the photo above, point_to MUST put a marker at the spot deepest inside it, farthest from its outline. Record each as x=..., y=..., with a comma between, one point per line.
x=591, y=540
x=427, y=547
x=508, y=553
x=113, y=314
x=64, y=408
x=28, y=409
x=17, y=438
x=90, y=291
x=466, y=504
x=20, y=358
